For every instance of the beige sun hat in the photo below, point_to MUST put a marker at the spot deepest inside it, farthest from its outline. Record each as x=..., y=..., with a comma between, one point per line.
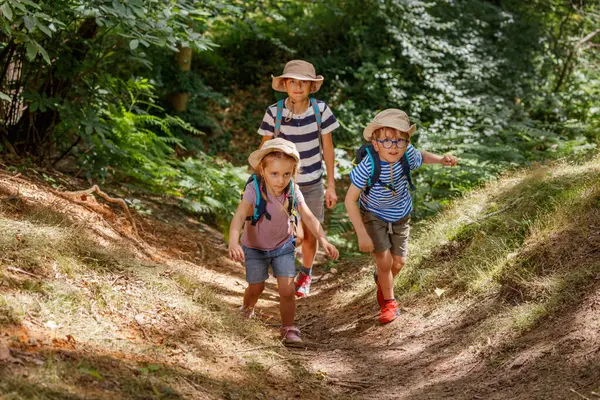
x=270, y=146
x=297, y=69
x=391, y=118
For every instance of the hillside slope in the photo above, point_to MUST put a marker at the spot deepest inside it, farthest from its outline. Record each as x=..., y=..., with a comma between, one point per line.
x=500, y=300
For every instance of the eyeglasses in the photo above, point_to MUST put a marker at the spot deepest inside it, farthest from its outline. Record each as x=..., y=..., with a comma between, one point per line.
x=400, y=143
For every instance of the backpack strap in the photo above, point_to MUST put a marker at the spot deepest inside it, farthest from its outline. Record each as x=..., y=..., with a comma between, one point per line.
x=406, y=168
x=292, y=209
x=367, y=150
x=291, y=198
x=260, y=203
x=317, y=111
x=278, y=118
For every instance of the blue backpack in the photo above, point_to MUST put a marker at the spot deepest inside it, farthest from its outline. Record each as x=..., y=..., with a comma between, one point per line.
x=367, y=150
x=260, y=204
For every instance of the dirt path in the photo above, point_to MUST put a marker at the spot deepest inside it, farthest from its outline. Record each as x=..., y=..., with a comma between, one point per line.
x=434, y=351
x=438, y=348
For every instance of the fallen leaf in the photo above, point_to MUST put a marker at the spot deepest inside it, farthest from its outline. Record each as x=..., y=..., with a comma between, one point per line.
x=439, y=292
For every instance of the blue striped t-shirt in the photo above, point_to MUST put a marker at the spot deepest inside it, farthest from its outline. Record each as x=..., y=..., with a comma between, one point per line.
x=382, y=201
x=303, y=131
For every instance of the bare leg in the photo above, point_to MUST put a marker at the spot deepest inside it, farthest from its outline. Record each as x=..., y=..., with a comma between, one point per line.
x=287, y=300
x=398, y=264
x=384, y=273
x=252, y=293
x=309, y=248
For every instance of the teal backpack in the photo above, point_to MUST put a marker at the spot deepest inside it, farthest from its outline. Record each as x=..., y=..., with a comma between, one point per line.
x=367, y=150
x=260, y=204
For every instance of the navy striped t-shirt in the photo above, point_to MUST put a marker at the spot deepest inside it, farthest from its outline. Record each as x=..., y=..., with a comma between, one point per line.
x=381, y=201
x=303, y=131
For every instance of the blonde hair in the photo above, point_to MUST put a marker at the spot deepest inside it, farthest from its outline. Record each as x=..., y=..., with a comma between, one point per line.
x=383, y=132
x=261, y=168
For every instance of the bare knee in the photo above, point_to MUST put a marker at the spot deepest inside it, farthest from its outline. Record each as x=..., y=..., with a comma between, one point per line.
x=398, y=264
x=287, y=294
x=384, y=261
x=309, y=239
x=256, y=289
x=287, y=289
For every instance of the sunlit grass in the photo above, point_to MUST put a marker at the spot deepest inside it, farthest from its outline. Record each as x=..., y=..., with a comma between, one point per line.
x=117, y=313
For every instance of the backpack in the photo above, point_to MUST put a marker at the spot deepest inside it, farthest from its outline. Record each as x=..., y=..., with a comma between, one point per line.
x=367, y=150
x=260, y=205
x=279, y=114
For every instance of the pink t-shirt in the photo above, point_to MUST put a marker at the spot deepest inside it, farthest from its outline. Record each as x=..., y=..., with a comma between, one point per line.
x=269, y=234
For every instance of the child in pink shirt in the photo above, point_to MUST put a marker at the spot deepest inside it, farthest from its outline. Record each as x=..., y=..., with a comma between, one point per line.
x=269, y=238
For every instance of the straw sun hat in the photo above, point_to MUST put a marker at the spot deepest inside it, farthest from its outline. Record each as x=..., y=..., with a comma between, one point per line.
x=390, y=118
x=270, y=146
x=297, y=69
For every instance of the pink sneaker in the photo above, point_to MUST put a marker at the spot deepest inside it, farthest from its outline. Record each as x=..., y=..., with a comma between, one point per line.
x=247, y=312
x=303, y=285
x=290, y=335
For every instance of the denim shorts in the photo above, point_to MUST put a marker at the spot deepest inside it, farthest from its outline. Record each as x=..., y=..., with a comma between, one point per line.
x=281, y=259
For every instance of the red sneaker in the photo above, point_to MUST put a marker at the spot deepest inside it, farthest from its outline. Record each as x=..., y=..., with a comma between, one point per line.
x=389, y=312
x=303, y=285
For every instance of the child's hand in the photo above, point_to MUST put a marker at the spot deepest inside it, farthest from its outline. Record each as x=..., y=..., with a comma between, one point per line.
x=330, y=249
x=365, y=243
x=330, y=196
x=449, y=160
x=236, y=253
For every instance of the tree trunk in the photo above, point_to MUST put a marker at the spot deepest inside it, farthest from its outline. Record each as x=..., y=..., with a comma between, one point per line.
x=179, y=99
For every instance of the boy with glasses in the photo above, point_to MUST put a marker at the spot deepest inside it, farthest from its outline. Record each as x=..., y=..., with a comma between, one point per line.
x=380, y=211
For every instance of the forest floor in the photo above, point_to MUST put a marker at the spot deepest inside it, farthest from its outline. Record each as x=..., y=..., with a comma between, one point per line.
x=90, y=309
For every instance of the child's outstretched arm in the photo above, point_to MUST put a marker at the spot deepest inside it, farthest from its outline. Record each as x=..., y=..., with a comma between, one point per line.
x=314, y=226
x=365, y=243
x=236, y=253
x=447, y=159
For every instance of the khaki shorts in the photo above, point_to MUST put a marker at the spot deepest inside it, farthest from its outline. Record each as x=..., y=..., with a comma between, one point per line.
x=377, y=229
x=314, y=197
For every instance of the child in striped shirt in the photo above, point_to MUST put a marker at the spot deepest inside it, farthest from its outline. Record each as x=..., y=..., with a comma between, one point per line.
x=382, y=223
x=307, y=123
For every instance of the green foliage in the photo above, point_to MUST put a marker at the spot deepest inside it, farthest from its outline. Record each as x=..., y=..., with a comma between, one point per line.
x=479, y=79
x=126, y=142
x=499, y=84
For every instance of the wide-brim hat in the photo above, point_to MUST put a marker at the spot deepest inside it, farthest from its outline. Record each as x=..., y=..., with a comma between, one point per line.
x=297, y=69
x=390, y=118
x=271, y=146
